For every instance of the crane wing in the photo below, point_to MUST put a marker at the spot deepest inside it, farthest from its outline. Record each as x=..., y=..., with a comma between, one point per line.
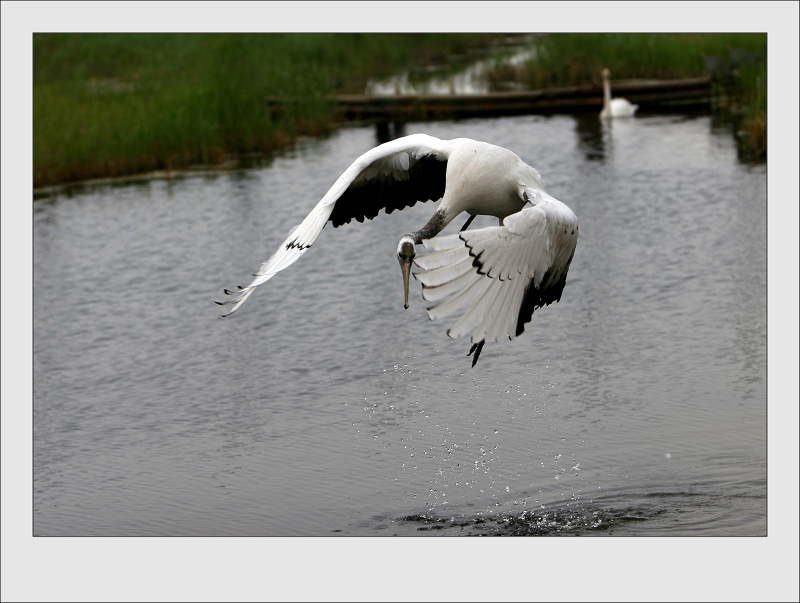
x=499, y=275
x=394, y=175
x=391, y=176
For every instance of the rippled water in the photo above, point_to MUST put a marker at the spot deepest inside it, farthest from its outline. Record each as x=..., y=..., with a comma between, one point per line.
x=636, y=405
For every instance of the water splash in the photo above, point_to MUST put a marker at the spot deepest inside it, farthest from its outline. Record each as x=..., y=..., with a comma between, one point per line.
x=540, y=522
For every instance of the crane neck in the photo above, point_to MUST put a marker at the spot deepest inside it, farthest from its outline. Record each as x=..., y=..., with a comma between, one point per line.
x=434, y=226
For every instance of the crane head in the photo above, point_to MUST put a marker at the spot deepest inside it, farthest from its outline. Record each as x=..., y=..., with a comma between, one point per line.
x=405, y=255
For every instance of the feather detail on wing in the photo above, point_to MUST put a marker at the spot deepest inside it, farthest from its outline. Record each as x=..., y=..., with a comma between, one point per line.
x=391, y=176
x=300, y=238
x=497, y=276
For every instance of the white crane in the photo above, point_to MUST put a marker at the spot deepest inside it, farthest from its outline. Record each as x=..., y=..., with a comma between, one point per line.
x=614, y=107
x=497, y=275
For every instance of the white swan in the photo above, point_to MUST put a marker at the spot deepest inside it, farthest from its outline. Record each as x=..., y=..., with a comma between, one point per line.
x=614, y=107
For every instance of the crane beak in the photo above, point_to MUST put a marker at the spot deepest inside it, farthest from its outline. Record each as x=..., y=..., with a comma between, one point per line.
x=405, y=255
x=405, y=266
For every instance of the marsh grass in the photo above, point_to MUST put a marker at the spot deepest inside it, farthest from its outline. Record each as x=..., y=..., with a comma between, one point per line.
x=573, y=59
x=119, y=104
x=750, y=100
x=116, y=104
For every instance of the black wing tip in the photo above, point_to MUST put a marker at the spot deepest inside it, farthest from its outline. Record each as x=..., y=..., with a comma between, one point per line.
x=476, y=347
x=239, y=287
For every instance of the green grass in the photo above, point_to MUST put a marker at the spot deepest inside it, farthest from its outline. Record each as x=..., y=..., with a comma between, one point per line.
x=118, y=104
x=750, y=98
x=572, y=59
x=115, y=104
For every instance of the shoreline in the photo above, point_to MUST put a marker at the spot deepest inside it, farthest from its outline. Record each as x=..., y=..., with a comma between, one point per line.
x=115, y=107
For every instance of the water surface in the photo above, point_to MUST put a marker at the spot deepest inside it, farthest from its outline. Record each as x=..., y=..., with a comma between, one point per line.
x=635, y=406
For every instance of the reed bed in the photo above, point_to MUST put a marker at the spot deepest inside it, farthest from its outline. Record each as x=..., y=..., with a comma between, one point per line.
x=119, y=104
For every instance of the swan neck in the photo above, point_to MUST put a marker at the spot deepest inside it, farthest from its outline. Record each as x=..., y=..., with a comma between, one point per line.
x=606, y=92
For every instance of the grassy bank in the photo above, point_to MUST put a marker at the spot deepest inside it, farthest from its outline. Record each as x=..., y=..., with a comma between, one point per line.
x=119, y=104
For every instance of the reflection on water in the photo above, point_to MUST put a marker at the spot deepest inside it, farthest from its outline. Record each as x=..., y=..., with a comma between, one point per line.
x=471, y=78
x=636, y=405
x=590, y=131
x=386, y=131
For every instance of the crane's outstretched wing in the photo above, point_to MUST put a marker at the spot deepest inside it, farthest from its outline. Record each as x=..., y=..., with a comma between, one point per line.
x=391, y=176
x=499, y=275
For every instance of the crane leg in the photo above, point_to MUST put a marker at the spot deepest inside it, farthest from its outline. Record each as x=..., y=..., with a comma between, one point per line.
x=467, y=223
x=476, y=347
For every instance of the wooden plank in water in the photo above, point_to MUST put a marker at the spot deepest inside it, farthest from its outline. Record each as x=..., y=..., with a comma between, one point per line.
x=649, y=95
